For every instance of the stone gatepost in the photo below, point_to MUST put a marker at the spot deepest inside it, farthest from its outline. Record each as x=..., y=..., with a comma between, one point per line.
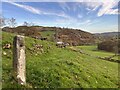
x=19, y=63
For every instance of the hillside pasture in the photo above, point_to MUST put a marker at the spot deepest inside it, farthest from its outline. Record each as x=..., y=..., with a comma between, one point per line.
x=59, y=68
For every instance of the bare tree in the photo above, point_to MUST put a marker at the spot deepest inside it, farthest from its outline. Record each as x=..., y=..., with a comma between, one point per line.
x=2, y=22
x=25, y=24
x=32, y=24
x=28, y=24
x=12, y=22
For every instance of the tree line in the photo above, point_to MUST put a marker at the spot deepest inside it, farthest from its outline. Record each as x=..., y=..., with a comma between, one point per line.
x=11, y=22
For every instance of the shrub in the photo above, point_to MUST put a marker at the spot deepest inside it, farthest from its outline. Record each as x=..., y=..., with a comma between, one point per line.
x=110, y=46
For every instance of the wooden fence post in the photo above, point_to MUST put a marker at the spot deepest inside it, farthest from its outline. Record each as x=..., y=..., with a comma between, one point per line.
x=19, y=63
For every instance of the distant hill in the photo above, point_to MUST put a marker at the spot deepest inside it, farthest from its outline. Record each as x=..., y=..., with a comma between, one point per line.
x=75, y=37
x=66, y=35
x=107, y=36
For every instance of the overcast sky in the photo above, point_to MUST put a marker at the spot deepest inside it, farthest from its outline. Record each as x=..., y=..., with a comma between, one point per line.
x=94, y=17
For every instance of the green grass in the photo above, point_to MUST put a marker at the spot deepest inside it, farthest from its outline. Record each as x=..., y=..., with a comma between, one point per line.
x=48, y=34
x=95, y=52
x=59, y=68
x=116, y=57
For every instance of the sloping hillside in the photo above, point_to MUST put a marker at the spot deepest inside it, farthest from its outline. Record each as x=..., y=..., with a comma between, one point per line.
x=52, y=67
x=107, y=36
x=66, y=35
x=75, y=37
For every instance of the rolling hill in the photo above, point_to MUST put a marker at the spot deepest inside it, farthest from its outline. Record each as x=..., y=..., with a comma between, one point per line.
x=71, y=36
x=52, y=67
x=107, y=36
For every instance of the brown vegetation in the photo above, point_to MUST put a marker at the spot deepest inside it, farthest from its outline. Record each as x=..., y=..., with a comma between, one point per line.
x=75, y=37
x=24, y=30
x=68, y=36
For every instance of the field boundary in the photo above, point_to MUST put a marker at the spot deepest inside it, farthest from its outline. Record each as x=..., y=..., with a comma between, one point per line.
x=98, y=57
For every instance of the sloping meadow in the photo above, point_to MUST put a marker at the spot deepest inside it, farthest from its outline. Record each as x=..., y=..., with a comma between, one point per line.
x=52, y=67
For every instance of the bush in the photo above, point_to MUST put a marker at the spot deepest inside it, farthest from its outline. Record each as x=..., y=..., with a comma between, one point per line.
x=24, y=30
x=110, y=46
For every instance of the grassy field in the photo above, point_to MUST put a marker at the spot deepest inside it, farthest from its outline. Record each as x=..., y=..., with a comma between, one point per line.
x=48, y=34
x=55, y=67
x=95, y=52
